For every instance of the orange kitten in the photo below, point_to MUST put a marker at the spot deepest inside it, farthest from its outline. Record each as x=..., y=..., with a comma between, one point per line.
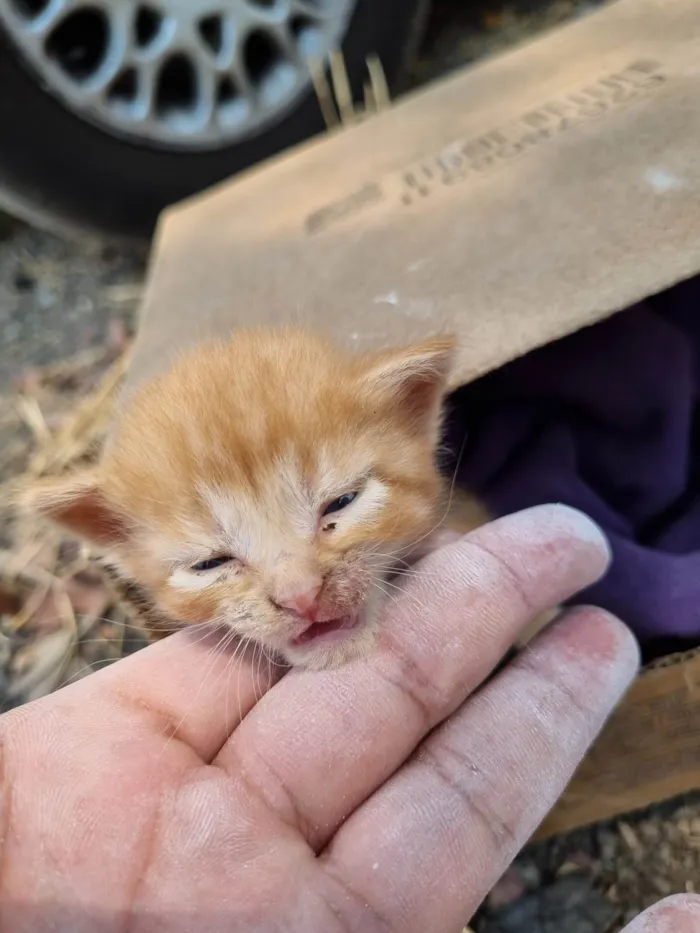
x=270, y=484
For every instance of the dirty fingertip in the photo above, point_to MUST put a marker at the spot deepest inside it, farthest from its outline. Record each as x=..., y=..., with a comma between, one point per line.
x=677, y=914
x=597, y=637
x=577, y=523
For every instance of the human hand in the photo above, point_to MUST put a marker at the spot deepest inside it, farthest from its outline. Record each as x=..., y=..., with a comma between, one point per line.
x=159, y=795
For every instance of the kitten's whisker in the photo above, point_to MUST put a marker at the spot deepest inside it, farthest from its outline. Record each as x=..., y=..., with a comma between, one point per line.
x=245, y=642
x=107, y=621
x=230, y=666
x=256, y=663
x=381, y=589
x=409, y=570
x=448, y=505
x=453, y=486
x=216, y=651
x=206, y=628
x=91, y=666
x=261, y=657
x=420, y=607
x=245, y=649
x=410, y=567
x=239, y=650
x=98, y=641
x=221, y=650
x=86, y=667
x=253, y=658
x=390, y=596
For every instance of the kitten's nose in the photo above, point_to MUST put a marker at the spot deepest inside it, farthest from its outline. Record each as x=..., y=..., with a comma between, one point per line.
x=301, y=599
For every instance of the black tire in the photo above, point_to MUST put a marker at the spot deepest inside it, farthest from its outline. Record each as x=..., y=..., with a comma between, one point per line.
x=74, y=176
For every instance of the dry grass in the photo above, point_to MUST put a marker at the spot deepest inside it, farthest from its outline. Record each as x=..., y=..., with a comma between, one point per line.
x=335, y=97
x=59, y=618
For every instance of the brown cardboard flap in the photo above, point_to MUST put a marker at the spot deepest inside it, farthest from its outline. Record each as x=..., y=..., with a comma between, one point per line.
x=649, y=751
x=512, y=204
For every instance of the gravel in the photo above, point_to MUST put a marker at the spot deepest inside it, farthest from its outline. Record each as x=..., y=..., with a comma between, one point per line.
x=543, y=911
x=58, y=298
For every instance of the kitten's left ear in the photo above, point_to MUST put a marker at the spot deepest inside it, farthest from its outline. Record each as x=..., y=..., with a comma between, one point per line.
x=76, y=503
x=415, y=379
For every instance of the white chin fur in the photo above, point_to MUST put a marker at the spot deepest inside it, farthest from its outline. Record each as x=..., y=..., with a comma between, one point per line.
x=321, y=657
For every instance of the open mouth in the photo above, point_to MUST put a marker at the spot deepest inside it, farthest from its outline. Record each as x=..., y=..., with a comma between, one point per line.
x=329, y=631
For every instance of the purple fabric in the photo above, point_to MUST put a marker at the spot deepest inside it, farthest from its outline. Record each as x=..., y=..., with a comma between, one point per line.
x=606, y=420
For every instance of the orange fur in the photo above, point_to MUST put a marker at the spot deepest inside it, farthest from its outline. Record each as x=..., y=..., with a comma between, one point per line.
x=236, y=451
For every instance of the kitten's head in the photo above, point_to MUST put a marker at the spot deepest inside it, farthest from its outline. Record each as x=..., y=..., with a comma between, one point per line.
x=269, y=484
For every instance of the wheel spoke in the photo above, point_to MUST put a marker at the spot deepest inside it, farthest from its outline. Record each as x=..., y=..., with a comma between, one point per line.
x=206, y=95
x=116, y=53
x=308, y=8
x=49, y=17
x=242, y=80
x=285, y=41
x=144, y=97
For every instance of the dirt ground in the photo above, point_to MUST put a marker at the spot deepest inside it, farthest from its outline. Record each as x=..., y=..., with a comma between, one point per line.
x=66, y=313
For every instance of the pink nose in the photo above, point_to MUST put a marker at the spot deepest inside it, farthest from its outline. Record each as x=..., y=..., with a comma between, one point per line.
x=302, y=600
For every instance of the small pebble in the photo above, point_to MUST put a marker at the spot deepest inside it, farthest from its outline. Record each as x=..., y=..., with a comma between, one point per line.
x=23, y=282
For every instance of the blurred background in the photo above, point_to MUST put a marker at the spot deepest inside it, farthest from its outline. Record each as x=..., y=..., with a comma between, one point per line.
x=111, y=109
x=94, y=146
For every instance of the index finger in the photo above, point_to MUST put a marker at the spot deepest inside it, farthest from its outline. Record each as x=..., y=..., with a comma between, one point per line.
x=193, y=687
x=320, y=743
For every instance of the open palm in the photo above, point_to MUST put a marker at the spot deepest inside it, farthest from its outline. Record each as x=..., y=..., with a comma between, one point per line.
x=185, y=789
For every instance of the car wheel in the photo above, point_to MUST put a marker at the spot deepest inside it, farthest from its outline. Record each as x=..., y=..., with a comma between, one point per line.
x=112, y=109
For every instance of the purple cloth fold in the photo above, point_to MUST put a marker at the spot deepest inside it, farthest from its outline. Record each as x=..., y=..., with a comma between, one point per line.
x=606, y=420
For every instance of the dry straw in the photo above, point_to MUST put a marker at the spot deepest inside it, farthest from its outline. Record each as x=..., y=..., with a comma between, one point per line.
x=335, y=98
x=44, y=577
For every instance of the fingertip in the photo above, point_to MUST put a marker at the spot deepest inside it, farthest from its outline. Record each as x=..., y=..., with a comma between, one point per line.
x=551, y=525
x=600, y=655
x=679, y=913
x=555, y=543
x=605, y=636
x=572, y=522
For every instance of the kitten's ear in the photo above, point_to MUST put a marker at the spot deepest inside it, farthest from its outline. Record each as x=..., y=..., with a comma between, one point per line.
x=76, y=503
x=415, y=379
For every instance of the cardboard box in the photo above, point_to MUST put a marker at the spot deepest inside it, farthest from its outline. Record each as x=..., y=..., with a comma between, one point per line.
x=531, y=196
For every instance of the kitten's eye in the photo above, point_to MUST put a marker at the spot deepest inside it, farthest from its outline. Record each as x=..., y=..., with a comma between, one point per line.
x=341, y=502
x=211, y=564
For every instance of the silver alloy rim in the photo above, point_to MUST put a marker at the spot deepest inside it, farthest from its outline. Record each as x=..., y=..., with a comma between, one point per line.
x=196, y=74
